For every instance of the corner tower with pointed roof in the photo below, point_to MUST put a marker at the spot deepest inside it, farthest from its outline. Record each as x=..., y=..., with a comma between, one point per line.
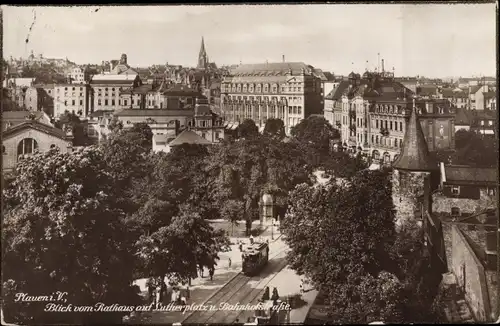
x=202, y=57
x=412, y=174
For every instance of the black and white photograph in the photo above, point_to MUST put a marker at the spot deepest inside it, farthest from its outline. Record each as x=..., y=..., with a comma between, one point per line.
x=250, y=164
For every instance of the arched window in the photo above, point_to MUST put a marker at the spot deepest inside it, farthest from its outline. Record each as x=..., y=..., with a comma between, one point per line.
x=27, y=146
x=3, y=149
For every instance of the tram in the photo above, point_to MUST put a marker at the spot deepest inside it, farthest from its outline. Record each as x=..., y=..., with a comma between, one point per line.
x=255, y=257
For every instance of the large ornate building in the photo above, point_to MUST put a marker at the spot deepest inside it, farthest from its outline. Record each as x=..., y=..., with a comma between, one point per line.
x=290, y=91
x=372, y=113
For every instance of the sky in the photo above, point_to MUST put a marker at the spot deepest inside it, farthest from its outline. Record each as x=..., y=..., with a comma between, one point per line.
x=428, y=40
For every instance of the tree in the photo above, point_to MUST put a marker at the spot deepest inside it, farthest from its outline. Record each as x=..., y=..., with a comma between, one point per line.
x=145, y=131
x=475, y=149
x=71, y=120
x=232, y=211
x=275, y=128
x=63, y=230
x=366, y=275
x=115, y=124
x=315, y=135
x=343, y=165
x=247, y=129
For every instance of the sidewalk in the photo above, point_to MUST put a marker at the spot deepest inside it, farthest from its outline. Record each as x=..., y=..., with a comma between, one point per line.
x=202, y=289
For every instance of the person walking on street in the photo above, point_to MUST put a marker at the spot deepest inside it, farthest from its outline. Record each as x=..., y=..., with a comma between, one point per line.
x=211, y=272
x=188, y=293
x=229, y=262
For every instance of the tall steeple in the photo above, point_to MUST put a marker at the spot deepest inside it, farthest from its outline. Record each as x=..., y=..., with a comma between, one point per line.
x=415, y=153
x=202, y=57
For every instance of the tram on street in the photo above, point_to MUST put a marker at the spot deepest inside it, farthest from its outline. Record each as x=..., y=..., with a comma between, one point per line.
x=255, y=257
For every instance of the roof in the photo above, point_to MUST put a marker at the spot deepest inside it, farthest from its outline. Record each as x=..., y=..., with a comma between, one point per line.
x=415, y=153
x=189, y=137
x=278, y=68
x=22, y=82
x=152, y=112
x=462, y=117
x=181, y=90
x=337, y=92
x=143, y=89
x=427, y=90
x=329, y=76
x=470, y=175
x=97, y=79
x=488, y=95
x=16, y=117
x=474, y=89
x=33, y=124
x=100, y=113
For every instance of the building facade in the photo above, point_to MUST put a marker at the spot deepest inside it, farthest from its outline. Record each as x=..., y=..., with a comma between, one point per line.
x=290, y=91
x=105, y=90
x=76, y=76
x=74, y=98
x=28, y=137
x=371, y=113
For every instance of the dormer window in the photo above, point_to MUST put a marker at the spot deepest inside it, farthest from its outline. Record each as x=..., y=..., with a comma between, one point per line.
x=455, y=190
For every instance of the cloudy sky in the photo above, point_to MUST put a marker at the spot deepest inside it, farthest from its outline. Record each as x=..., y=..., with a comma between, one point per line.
x=430, y=40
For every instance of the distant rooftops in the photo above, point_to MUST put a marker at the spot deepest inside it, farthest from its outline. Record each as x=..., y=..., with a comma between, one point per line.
x=189, y=137
x=466, y=175
x=272, y=69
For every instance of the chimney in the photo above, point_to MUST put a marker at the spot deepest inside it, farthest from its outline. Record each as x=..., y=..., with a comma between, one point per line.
x=382, y=66
x=283, y=58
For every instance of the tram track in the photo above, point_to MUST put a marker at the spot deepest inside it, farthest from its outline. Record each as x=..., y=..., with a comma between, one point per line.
x=231, y=291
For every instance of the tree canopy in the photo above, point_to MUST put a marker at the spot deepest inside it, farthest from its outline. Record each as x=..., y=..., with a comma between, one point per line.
x=342, y=237
x=71, y=120
x=275, y=128
x=63, y=230
x=247, y=129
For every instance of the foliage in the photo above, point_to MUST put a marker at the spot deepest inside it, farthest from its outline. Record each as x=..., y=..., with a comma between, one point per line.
x=343, y=165
x=244, y=170
x=315, y=134
x=367, y=275
x=71, y=120
x=63, y=230
x=247, y=129
x=145, y=131
x=115, y=124
x=275, y=128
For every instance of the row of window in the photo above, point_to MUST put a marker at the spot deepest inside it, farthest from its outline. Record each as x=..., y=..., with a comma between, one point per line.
x=389, y=125
x=260, y=89
x=26, y=146
x=455, y=190
x=66, y=88
x=398, y=143
x=73, y=102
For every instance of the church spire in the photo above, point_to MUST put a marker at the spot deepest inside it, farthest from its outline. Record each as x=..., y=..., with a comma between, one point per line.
x=415, y=153
x=202, y=57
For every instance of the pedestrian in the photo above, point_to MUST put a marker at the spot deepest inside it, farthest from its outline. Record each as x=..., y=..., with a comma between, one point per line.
x=211, y=272
x=241, y=246
x=229, y=262
x=158, y=296
x=251, y=239
x=188, y=293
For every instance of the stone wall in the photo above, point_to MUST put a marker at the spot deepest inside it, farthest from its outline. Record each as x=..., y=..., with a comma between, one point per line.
x=493, y=287
x=407, y=188
x=470, y=275
x=443, y=204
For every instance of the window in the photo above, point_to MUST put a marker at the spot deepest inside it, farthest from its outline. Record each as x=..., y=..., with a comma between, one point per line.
x=73, y=89
x=400, y=142
x=376, y=123
x=113, y=102
x=455, y=211
x=390, y=126
x=81, y=94
x=3, y=149
x=125, y=102
x=396, y=125
x=455, y=190
x=490, y=123
x=99, y=102
x=491, y=191
x=27, y=146
x=106, y=102
x=376, y=139
x=52, y=146
x=372, y=138
x=81, y=102
x=300, y=109
x=204, y=135
x=65, y=102
x=72, y=102
x=65, y=88
x=401, y=126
